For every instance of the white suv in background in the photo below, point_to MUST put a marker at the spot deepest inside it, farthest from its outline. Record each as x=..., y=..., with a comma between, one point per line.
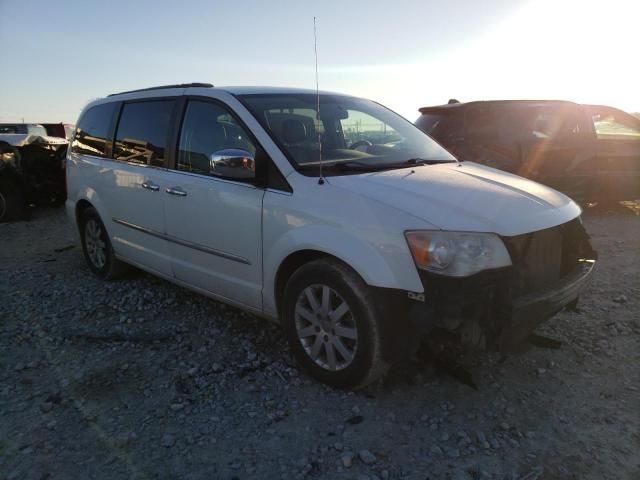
x=349, y=226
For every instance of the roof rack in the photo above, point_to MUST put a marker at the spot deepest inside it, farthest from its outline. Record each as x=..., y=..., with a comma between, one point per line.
x=178, y=85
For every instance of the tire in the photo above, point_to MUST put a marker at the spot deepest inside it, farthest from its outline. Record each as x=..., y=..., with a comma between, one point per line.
x=97, y=248
x=12, y=201
x=354, y=331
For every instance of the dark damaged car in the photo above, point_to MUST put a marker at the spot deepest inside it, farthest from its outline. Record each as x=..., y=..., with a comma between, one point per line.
x=590, y=152
x=31, y=169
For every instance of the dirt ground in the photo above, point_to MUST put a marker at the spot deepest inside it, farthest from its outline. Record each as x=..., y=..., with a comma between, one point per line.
x=142, y=379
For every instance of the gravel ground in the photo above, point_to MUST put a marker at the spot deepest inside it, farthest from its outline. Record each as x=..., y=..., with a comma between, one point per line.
x=142, y=379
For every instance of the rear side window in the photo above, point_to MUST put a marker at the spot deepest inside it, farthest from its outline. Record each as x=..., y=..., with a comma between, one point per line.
x=427, y=122
x=450, y=129
x=142, y=132
x=483, y=123
x=93, y=130
x=522, y=122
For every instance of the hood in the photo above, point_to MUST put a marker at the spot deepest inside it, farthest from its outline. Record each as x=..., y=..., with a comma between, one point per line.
x=469, y=197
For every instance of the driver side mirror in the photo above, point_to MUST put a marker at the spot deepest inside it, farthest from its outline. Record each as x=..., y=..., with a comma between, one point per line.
x=232, y=163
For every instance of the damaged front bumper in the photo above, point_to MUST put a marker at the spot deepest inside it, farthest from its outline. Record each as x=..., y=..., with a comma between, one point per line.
x=499, y=309
x=482, y=312
x=531, y=310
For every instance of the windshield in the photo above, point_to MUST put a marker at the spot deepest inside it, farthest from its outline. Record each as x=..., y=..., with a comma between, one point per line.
x=348, y=130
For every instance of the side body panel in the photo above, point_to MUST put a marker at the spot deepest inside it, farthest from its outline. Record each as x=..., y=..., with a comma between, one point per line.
x=215, y=233
x=618, y=171
x=131, y=214
x=136, y=213
x=618, y=153
x=365, y=234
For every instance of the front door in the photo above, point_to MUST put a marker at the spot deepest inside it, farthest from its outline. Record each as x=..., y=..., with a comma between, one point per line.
x=558, y=148
x=214, y=225
x=618, y=145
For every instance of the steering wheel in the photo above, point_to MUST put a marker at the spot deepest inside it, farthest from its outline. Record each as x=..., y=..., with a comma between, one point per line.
x=361, y=143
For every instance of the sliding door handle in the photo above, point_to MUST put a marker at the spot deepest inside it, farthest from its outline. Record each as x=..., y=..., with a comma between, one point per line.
x=150, y=186
x=176, y=191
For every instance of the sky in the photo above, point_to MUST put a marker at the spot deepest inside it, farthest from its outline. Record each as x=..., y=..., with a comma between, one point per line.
x=405, y=54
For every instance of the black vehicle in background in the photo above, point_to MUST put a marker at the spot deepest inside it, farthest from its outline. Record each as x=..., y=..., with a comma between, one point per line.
x=589, y=152
x=31, y=169
x=62, y=130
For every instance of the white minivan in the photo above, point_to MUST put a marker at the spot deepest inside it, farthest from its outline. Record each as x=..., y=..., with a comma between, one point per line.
x=327, y=213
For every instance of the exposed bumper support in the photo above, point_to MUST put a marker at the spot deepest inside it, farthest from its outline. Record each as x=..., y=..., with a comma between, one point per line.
x=484, y=307
x=528, y=311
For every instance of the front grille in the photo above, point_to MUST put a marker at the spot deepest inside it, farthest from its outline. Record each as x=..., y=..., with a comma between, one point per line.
x=543, y=257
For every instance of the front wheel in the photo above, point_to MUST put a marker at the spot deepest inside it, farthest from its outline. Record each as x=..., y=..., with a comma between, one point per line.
x=333, y=325
x=97, y=248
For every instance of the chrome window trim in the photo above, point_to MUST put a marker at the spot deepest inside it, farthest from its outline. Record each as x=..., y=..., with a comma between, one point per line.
x=279, y=192
x=124, y=162
x=213, y=177
x=184, y=243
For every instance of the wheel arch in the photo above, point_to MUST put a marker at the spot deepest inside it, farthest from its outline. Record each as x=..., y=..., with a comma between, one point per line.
x=82, y=205
x=88, y=198
x=303, y=245
x=290, y=264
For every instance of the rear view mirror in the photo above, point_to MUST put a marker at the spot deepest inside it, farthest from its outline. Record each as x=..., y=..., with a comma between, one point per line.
x=335, y=112
x=232, y=163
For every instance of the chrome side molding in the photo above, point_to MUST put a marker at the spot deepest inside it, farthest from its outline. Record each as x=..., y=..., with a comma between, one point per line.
x=184, y=243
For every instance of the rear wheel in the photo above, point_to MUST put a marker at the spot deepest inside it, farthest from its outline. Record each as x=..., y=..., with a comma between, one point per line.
x=97, y=248
x=333, y=324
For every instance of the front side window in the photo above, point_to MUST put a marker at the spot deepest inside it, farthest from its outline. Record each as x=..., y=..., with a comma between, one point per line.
x=209, y=130
x=142, y=132
x=92, y=130
x=348, y=133
x=610, y=123
x=554, y=122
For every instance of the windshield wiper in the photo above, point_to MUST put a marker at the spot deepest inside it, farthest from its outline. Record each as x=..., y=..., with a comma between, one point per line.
x=358, y=166
x=355, y=166
x=423, y=161
x=372, y=167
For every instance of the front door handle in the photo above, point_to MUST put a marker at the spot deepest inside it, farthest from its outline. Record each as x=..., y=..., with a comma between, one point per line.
x=176, y=191
x=150, y=186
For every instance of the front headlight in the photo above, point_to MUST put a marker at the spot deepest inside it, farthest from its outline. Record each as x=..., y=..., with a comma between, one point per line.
x=457, y=254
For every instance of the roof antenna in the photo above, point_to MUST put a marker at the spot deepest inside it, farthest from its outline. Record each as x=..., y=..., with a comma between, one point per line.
x=315, y=47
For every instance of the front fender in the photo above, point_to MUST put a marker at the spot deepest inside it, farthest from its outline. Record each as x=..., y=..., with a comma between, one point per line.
x=395, y=269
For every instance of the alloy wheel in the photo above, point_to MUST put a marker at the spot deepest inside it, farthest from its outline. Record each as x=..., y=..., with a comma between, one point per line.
x=326, y=327
x=96, y=247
